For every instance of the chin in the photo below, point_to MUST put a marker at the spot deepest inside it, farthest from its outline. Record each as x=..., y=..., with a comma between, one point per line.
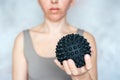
x=55, y=18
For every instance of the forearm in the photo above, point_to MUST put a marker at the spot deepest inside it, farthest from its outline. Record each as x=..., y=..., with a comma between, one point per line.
x=85, y=76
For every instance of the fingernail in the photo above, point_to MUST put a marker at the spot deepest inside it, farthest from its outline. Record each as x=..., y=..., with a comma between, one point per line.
x=87, y=56
x=69, y=73
x=70, y=61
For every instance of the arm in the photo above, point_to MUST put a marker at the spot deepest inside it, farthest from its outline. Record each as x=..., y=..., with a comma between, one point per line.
x=19, y=65
x=87, y=72
x=93, y=71
x=90, y=70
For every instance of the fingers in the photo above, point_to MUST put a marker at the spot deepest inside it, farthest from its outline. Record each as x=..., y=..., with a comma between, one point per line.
x=58, y=64
x=70, y=68
x=74, y=70
x=66, y=67
x=88, y=61
x=83, y=70
x=73, y=67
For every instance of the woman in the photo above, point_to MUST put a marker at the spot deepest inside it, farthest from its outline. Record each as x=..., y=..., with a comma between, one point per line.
x=34, y=49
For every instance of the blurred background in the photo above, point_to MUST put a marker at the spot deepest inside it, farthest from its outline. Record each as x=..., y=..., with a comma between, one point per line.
x=99, y=17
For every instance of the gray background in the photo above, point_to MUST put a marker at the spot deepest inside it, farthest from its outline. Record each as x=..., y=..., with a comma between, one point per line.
x=99, y=17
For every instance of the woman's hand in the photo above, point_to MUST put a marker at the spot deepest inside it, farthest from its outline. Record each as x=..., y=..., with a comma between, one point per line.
x=70, y=68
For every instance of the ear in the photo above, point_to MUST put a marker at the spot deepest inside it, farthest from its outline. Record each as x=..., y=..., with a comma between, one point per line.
x=72, y=2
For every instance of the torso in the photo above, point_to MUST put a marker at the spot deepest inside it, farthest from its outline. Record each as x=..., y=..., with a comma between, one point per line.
x=43, y=43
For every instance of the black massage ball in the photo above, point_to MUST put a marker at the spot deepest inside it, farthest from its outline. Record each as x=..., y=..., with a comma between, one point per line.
x=72, y=46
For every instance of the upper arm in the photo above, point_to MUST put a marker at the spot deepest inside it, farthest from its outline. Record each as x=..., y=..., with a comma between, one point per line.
x=90, y=38
x=19, y=65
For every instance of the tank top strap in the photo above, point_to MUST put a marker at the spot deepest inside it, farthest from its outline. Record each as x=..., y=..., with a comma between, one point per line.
x=80, y=31
x=27, y=44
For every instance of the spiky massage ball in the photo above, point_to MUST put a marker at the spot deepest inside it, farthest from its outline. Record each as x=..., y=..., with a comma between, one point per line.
x=72, y=46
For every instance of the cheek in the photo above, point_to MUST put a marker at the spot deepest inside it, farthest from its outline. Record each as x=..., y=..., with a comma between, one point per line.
x=44, y=5
x=45, y=8
x=65, y=5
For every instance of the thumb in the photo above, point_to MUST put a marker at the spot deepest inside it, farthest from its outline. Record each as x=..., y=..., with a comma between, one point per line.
x=88, y=62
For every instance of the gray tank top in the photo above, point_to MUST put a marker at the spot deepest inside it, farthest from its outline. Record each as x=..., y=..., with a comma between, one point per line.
x=41, y=68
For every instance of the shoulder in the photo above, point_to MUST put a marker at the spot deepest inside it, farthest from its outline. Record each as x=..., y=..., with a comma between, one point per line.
x=19, y=41
x=88, y=35
x=91, y=39
x=19, y=38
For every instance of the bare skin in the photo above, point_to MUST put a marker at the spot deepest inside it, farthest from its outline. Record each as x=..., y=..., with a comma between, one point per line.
x=49, y=32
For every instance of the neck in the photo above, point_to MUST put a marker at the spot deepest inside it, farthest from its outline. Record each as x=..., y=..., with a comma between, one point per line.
x=55, y=27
